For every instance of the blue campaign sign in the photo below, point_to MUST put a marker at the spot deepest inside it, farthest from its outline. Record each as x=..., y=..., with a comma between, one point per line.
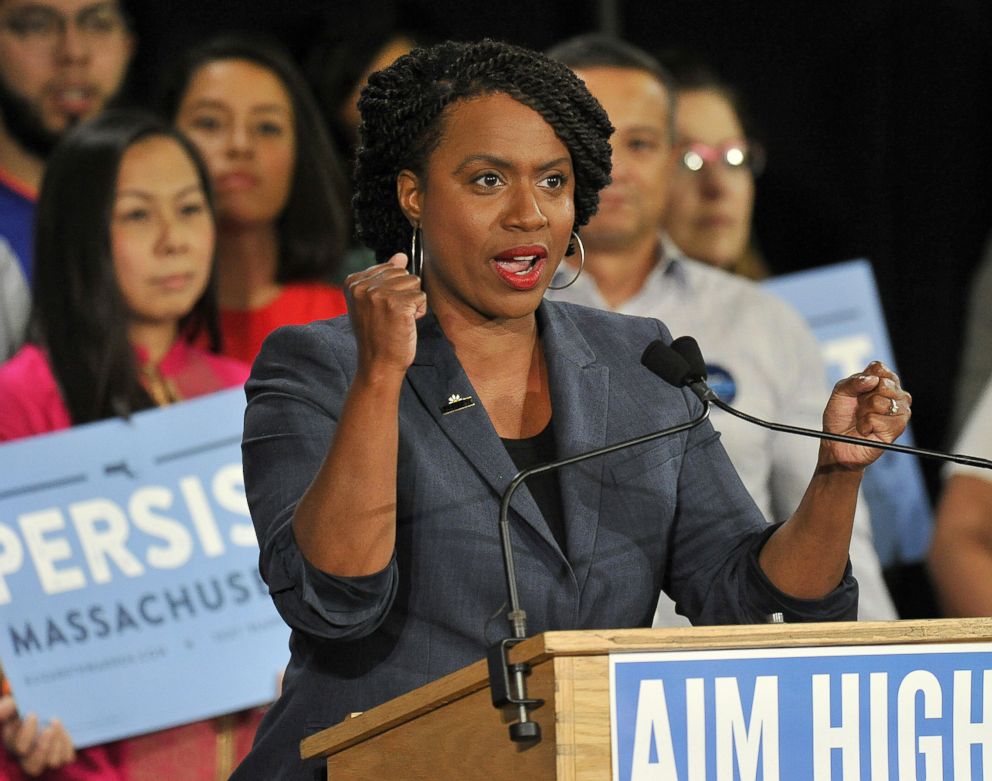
x=841, y=305
x=130, y=598
x=824, y=714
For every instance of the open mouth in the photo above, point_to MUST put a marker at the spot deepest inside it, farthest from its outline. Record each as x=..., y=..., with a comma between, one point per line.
x=520, y=270
x=74, y=99
x=520, y=265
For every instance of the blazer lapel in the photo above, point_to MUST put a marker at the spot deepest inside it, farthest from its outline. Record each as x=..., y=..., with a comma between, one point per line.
x=435, y=376
x=579, y=393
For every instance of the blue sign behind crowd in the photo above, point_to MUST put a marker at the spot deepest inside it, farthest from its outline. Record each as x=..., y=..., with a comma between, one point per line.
x=841, y=305
x=829, y=714
x=130, y=598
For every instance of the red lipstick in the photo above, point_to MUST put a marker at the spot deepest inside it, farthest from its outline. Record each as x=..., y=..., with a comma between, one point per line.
x=521, y=267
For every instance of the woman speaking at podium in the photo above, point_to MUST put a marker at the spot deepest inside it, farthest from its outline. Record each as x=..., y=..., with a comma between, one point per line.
x=377, y=445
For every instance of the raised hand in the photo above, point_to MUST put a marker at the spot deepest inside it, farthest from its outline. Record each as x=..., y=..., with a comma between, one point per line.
x=871, y=405
x=384, y=303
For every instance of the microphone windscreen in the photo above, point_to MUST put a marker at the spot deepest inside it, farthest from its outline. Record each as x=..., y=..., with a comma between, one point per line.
x=661, y=359
x=687, y=347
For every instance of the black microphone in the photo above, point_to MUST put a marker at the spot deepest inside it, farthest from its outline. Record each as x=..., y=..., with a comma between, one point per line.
x=657, y=358
x=663, y=360
x=688, y=349
x=676, y=371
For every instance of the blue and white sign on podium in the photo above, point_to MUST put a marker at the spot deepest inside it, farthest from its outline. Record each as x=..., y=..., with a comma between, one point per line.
x=843, y=713
x=130, y=598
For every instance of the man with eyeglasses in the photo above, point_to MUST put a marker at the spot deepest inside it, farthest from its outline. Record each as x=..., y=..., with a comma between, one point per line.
x=61, y=61
x=760, y=353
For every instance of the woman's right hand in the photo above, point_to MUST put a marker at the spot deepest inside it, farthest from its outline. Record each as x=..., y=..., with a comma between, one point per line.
x=384, y=303
x=36, y=750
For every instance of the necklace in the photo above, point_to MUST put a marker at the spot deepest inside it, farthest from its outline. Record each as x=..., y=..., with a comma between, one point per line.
x=162, y=390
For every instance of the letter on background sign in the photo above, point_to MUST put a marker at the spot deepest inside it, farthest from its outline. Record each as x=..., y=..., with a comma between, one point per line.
x=45, y=552
x=228, y=487
x=850, y=353
x=11, y=558
x=103, y=531
x=179, y=542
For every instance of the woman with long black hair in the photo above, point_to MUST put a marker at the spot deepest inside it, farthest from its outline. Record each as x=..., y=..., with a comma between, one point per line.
x=282, y=226
x=123, y=306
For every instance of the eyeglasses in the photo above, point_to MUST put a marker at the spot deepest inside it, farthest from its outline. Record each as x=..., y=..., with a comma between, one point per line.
x=42, y=25
x=732, y=155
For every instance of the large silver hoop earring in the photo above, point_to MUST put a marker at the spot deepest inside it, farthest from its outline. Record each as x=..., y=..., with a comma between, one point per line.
x=582, y=263
x=416, y=252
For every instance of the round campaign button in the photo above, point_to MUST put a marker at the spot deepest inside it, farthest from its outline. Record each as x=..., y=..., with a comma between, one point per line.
x=721, y=381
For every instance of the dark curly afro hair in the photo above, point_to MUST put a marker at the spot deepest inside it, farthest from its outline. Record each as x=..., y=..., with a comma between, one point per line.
x=403, y=109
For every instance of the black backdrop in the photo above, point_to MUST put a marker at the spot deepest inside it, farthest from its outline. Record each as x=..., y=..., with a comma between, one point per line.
x=876, y=115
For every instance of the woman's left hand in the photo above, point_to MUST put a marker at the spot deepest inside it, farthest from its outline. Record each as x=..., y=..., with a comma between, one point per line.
x=871, y=405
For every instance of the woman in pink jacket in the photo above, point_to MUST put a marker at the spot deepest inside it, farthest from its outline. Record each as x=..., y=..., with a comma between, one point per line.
x=123, y=304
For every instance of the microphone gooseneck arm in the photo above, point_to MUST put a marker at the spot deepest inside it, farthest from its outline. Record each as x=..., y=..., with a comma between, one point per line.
x=516, y=616
x=957, y=458
x=658, y=357
x=508, y=681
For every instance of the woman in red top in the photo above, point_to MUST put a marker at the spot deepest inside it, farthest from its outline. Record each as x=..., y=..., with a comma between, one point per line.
x=282, y=228
x=123, y=298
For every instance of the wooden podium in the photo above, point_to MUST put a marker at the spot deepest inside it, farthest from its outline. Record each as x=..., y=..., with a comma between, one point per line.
x=449, y=729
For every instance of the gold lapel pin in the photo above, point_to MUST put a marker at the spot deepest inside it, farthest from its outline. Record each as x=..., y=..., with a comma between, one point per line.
x=456, y=403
